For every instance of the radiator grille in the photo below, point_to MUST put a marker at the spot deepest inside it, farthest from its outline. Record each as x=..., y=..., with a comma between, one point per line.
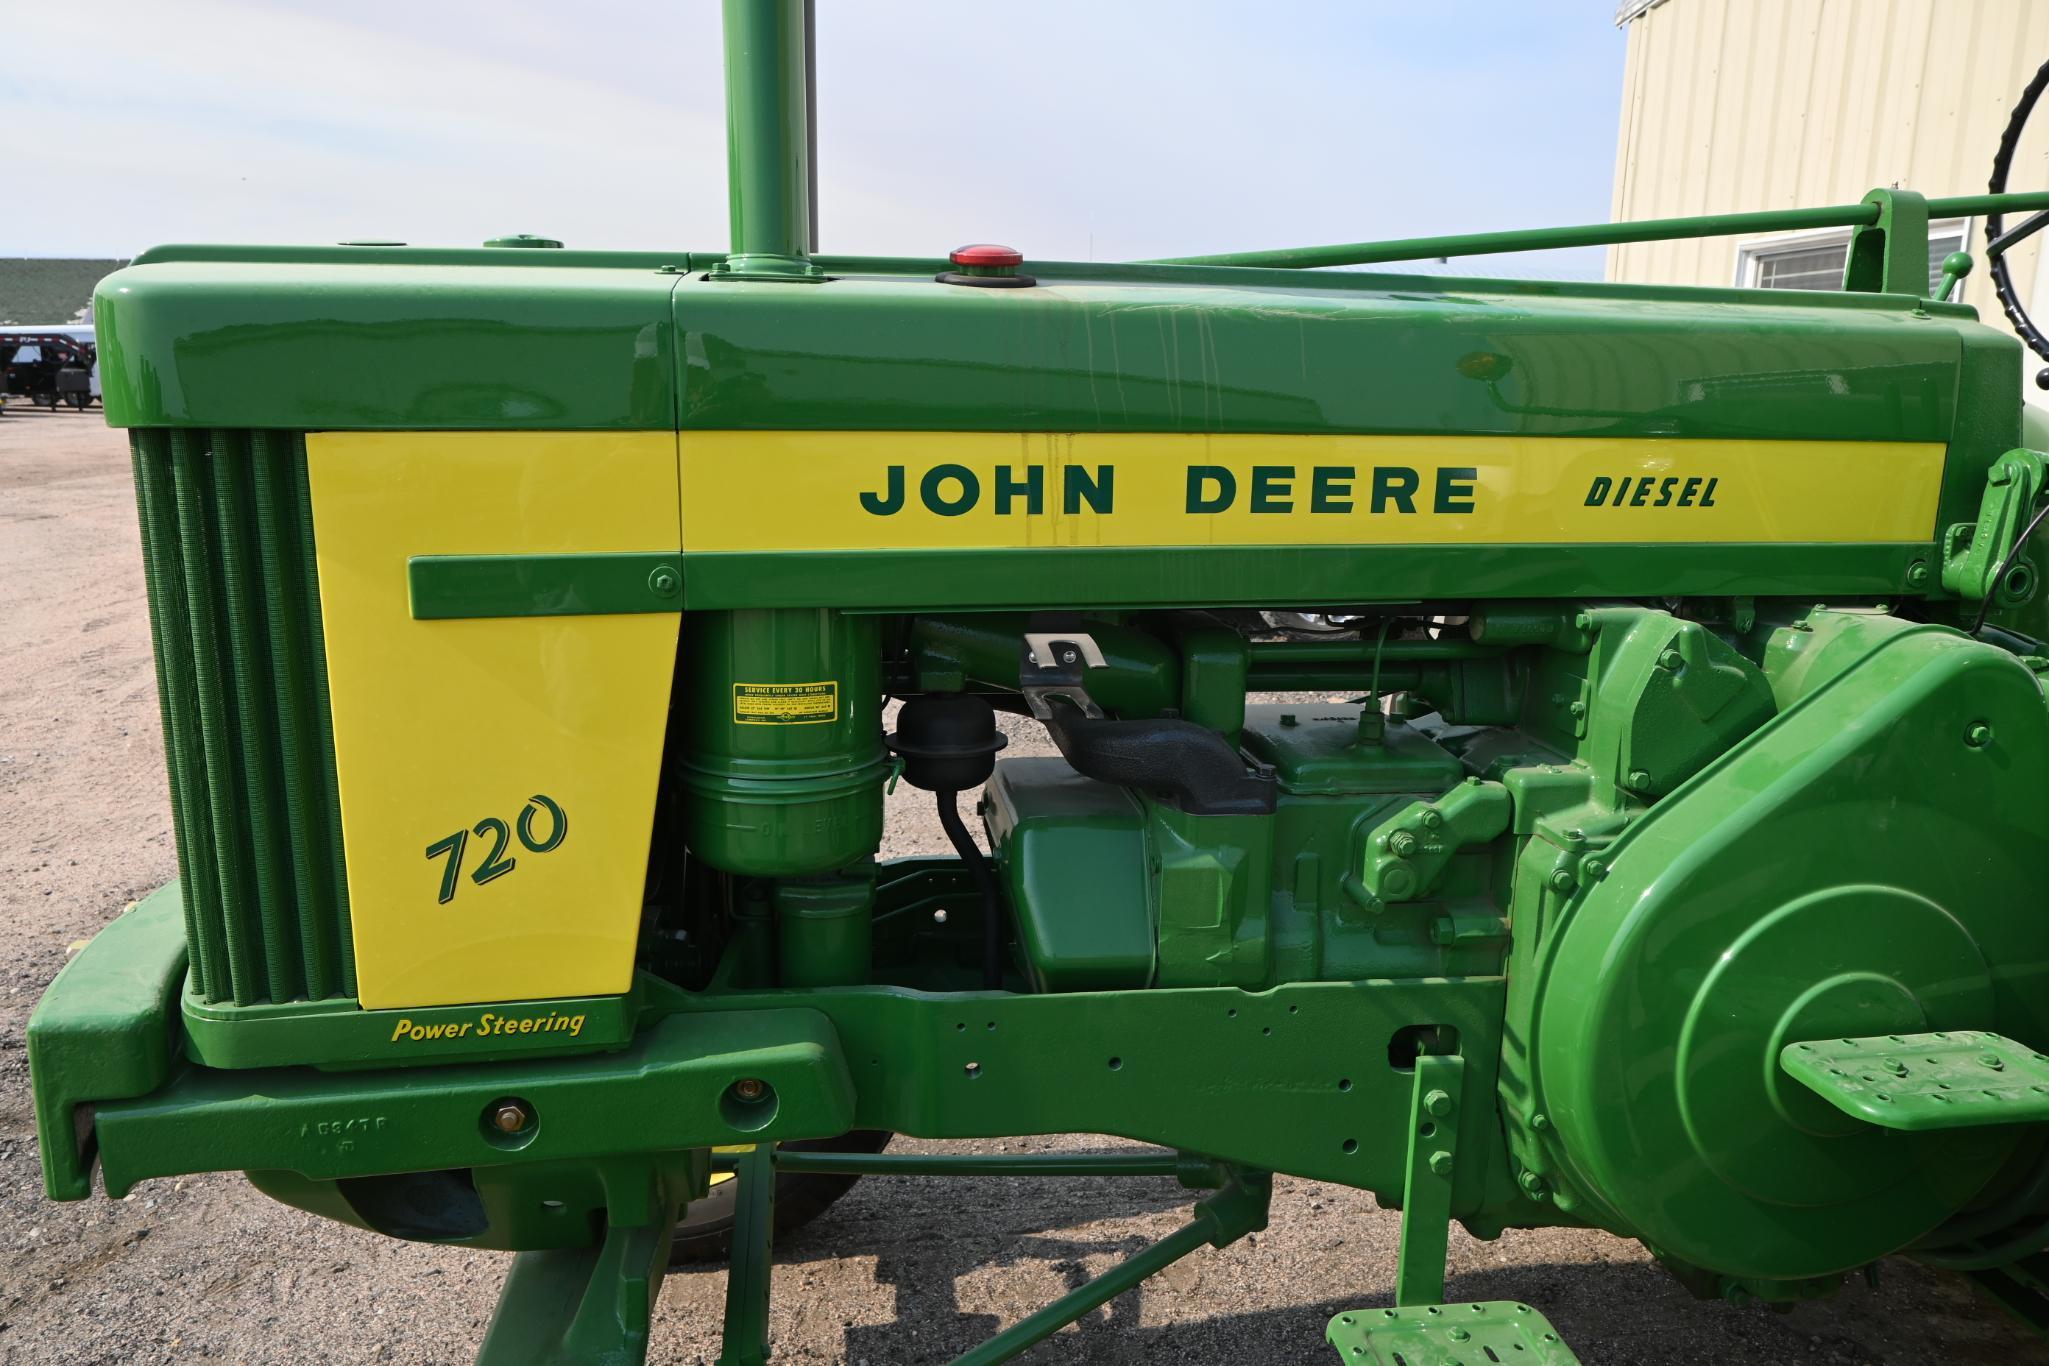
x=227, y=539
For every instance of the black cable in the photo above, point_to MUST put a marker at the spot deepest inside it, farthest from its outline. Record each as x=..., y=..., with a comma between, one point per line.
x=1992, y=588
x=2002, y=161
x=985, y=883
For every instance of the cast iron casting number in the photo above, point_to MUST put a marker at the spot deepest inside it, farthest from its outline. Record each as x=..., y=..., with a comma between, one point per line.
x=495, y=864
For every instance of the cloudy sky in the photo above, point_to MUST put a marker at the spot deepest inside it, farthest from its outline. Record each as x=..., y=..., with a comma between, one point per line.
x=1079, y=129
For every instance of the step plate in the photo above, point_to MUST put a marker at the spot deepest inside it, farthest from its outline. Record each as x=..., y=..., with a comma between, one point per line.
x=1957, y=1080
x=1449, y=1335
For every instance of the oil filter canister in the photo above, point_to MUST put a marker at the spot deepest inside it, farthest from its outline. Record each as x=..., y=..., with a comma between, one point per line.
x=783, y=763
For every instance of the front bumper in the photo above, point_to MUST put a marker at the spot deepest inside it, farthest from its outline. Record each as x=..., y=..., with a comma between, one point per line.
x=106, y=1030
x=110, y=1080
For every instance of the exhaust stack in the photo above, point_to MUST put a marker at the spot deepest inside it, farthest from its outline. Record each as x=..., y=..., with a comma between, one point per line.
x=769, y=137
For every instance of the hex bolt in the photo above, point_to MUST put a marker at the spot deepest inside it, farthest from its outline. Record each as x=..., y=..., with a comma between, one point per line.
x=1671, y=661
x=1540, y=1121
x=1594, y=869
x=1978, y=736
x=510, y=1117
x=1458, y=1334
x=664, y=582
x=1401, y=843
x=1639, y=777
x=1437, y=1103
x=1440, y=1163
x=1917, y=575
x=750, y=1088
x=1578, y=709
x=1432, y=818
x=1561, y=880
x=1532, y=1184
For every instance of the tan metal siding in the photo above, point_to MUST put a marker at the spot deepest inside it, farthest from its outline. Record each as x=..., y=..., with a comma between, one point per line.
x=1730, y=105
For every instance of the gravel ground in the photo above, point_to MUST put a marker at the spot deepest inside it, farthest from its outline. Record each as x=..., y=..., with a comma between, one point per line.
x=902, y=1271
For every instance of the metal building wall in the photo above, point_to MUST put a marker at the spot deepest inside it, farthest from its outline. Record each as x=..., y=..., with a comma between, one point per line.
x=1767, y=104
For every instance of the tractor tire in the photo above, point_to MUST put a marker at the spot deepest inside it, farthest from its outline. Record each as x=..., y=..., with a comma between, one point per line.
x=705, y=1232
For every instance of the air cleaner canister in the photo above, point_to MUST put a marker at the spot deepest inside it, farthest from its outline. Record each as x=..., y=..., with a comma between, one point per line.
x=783, y=764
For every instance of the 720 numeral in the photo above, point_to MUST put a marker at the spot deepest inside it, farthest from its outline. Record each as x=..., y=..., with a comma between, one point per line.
x=495, y=864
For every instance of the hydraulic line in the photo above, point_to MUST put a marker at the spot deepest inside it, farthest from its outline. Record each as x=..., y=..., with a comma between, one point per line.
x=2020, y=543
x=977, y=864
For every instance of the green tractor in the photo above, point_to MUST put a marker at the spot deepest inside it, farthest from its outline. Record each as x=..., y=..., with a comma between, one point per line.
x=530, y=622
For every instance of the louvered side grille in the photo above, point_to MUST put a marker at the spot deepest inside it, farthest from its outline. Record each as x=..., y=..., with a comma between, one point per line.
x=227, y=540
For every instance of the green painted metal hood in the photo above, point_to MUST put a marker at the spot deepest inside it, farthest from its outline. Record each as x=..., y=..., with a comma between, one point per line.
x=418, y=338
x=1292, y=351
x=365, y=339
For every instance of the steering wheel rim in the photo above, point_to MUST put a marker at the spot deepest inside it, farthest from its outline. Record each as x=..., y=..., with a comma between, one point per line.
x=2002, y=279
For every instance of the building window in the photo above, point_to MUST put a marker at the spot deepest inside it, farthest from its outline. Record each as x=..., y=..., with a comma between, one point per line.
x=1815, y=260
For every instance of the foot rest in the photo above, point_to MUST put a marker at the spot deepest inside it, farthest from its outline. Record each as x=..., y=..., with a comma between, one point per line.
x=1449, y=1335
x=1958, y=1080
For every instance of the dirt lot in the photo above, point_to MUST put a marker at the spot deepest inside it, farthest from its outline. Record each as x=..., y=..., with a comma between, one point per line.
x=900, y=1271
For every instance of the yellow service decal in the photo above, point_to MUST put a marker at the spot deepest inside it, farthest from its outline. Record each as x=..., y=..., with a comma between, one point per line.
x=973, y=490
x=785, y=704
x=490, y=1024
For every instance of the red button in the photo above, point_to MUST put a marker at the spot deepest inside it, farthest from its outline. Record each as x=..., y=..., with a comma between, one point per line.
x=986, y=254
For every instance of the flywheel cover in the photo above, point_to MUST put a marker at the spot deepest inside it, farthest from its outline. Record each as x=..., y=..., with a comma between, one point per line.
x=1856, y=869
